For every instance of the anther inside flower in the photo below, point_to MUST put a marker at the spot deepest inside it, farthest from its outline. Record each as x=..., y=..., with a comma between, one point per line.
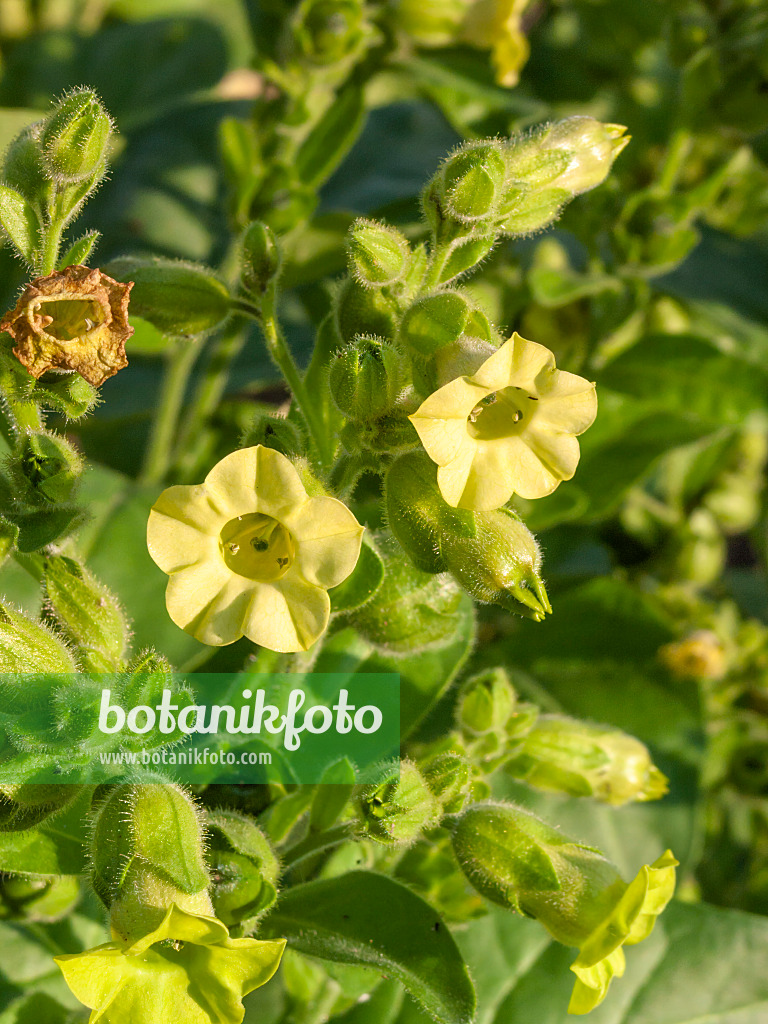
x=74, y=319
x=249, y=553
x=509, y=428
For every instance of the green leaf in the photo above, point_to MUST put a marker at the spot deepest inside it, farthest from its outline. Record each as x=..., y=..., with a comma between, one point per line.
x=700, y=964
x=57, y=847
x=368, y=919
x=362, y=584
x=330, y=140
x=80, y=250
x=661, y=368
x=19, y=221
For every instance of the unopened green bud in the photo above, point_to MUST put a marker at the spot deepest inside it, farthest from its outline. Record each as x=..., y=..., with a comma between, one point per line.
x=449, y=776
x=493, y=555
x=366, y=378
x=400, y=808
x=277, y=433
x=365, y=312
x=581, y=759
x=75, y=135
x=24, y=168
x=86, y=612
x=27, y=646
x=147, y=853
x=260, y=258
x=37, y=899
x=244, y=868
x=702, y=549
x=518, y=861
x=485, y=703
x=471, y=181
x=329, y=30
x=411, y=610
x=378, y=254
x=46, y=467
x=178, y=298
x=24, y=805
x=440, y=320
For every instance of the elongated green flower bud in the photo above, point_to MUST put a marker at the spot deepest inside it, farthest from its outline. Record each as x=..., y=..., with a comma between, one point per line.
x=27, y=646
x=260, y=259
x=75, y=135
x=398, y=809
x=45, y=467
x=569, y=756
x=485, y=703
x=449, y=776
x=518, y=861
x=366, y=379
x=87, y=613
x=147, y=853
x=378, y=254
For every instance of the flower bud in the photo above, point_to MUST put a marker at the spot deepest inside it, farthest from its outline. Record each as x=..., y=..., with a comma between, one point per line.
x=260, y=259
x=178, y=298
x=575, y=154
x=398, y=809
x=27, y=646
x=449, y=777
x=147, y=853
x=244, y=869
x=87, y=613
x=24, y=166
x=75, y=135
x=366, y=312
x=471, y=181
x=329, y=30
x=411, y=610
x=37, y=899
x=701, y=552
x=698, y=656
x=45, y=467
x=366, y=378
x=275, y=432
x=378, y=254
x=581, y=759
x=440, y=320
x=516, y=860
x=24, y=805
x=485, y=703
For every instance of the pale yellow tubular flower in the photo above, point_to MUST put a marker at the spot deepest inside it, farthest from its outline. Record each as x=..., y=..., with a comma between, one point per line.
x=509, y=428
x=497, y=25
x=249, y=553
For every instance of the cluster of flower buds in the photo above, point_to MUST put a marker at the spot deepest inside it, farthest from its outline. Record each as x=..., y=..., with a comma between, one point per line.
x=491, y=719
x=517, y=861
x=399, y=808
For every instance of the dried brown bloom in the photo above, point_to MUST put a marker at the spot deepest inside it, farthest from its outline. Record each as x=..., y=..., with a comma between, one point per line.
x=74, y=319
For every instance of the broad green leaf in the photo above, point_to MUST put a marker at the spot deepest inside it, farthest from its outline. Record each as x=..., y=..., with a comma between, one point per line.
x=363, y=582
x=680, y=372
x=368, y=919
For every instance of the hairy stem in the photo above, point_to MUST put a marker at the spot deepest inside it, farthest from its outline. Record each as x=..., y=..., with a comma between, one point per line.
x=158, y=454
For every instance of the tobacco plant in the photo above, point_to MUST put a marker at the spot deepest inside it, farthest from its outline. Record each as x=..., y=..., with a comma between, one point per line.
x=443, y=434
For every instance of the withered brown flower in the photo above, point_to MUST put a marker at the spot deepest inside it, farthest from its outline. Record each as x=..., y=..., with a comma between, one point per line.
x=73, y=319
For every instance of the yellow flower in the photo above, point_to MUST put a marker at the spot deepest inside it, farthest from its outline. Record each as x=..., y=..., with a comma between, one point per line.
x=249, y=553
x=187, y=970
x=509, y=428
x=497, y=25
x=601, y=956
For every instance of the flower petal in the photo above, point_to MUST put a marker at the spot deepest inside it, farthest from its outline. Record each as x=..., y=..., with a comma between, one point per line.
x=518, y=362
x=558, y=454
x=441, y=420
x=209, y=601
x=256, y=479
x=328, y=539
x=182, y=926
x=591, y=985
x=287, y=616
x=183, y=528
x=571, y=413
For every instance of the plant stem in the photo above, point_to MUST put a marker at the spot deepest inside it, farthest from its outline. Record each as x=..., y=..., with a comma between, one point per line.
x=158, y=455
x=212, y=386
x=50, y=253
x=317, y=842
x=281, y=356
